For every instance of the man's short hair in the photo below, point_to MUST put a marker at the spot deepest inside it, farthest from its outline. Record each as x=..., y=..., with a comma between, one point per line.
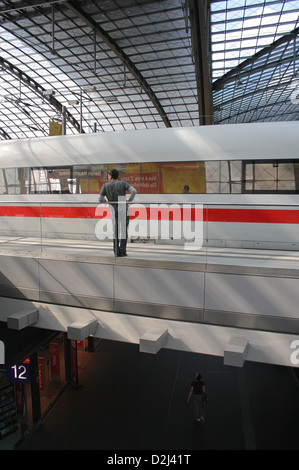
x=114, y=174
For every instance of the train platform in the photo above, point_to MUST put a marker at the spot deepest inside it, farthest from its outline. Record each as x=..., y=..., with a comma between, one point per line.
x=129, y=401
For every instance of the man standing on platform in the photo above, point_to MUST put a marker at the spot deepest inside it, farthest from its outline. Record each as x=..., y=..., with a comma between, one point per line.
x=115, y=193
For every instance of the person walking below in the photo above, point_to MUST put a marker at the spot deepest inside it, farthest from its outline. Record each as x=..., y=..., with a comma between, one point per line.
x=198, y=395
x=114, y=191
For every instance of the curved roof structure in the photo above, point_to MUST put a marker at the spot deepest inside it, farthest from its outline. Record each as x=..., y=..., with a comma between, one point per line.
x=107, y=65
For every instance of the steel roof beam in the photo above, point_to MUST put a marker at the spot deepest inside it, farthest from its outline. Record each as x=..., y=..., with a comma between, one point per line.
x=100, y=32
x=24, y=5
x=38, y=89
x=234, y=73
x=4, y=134
x=199, y=11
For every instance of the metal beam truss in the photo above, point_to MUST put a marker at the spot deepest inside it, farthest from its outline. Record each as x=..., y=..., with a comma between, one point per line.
x=199, y=12
x=39, y=90
x=137, y=52
x=104, y=36
x=23, y=5
x=260, y=88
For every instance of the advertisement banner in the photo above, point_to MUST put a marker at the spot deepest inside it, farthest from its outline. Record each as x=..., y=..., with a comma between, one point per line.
x=54, y=359
x=55, y=128
x=41, y=374
x=74, y=362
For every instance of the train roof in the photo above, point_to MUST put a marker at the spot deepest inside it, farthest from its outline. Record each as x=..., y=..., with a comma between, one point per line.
x=256, y=141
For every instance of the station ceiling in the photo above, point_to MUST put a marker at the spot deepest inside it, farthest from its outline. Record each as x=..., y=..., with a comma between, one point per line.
x=109, y=65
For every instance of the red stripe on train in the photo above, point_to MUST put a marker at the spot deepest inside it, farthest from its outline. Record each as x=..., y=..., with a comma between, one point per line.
x=240, y=215
x=258, y=216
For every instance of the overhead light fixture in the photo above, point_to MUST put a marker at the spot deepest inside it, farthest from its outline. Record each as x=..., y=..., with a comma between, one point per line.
x=89, y=89
x=111, y=99
x=48, y=92
x=73, y=103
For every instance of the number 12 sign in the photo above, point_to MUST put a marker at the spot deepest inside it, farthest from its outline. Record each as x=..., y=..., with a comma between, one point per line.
x=18, y=373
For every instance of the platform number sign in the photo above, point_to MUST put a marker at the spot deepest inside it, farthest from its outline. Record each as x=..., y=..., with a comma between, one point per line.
x=18, y=373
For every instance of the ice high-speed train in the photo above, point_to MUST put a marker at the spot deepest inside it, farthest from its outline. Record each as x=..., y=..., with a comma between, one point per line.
x=245, y=176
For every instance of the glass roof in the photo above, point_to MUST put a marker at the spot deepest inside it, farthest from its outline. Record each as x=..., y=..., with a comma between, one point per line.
x=255, y=60
x=133, y=64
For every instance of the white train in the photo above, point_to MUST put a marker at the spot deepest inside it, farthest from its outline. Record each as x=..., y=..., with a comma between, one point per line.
x=245, y=176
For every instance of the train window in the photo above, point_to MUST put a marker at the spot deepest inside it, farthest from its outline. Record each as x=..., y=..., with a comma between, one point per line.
x=89, y=179
x=12, y=181
x=286, y=177
x=211, y=177
x=270, y=177
x=132, y=174
x=153, y=177
x=223, y=177
x=175, y=175
x=48, y=180
x=164, y=178
x=38, y=182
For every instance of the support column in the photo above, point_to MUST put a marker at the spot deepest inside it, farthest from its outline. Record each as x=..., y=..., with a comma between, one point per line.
x=35, y=392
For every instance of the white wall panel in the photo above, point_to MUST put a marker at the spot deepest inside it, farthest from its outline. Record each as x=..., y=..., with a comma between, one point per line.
x=76, y=278
x=19, y=272
x=160, y=286
x=252, y=294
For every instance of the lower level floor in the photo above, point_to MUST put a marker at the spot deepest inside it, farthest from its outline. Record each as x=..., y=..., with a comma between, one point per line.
x=127, y=400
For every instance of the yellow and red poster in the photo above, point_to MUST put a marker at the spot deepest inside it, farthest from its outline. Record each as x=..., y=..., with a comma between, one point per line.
x=144, y=177
x=177, y=174
x=166, y=178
